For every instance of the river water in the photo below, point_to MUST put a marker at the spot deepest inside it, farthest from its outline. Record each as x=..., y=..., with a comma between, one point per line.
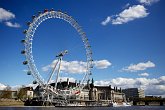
x=86, y=108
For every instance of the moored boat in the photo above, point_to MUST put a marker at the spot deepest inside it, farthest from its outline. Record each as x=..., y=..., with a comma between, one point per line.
x=123, y=104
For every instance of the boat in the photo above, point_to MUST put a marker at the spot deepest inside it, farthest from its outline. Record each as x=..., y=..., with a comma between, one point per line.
x=123, y=104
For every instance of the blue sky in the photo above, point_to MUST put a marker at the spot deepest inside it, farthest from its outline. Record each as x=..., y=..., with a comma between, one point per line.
x=127, y=39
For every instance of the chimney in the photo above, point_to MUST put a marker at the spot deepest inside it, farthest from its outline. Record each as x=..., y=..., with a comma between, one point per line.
x=120, y=90
x=75, y=82
x=110, y=87
x=88, y=84
x=68, y=81
x=79, y=83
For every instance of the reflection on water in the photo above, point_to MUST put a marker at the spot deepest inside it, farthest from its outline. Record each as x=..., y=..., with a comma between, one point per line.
x=86, y=108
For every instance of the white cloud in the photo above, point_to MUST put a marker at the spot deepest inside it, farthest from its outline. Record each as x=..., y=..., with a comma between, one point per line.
x=2, y=86
x=106, y=21
x=6, y=15
x=139, y=66
x=16, y=87
x=25, y=70
x=148, y=2
x=72, y=66
x=123, y=81
x=144, y=74
x=130, y=14
x=46, y=68
x=10, y=24
x=69, y=67
x=127, y=5
x=102, y=64
x=77, y=66
x=162, y=78
x=151, y=86
x=32, y=85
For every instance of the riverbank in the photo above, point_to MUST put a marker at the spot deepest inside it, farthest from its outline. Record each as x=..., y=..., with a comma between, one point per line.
x=11, y=102
x=86, y=108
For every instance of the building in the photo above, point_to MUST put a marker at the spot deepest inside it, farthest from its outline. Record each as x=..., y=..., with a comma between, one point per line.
x=26, y=92
x=151, y=96
x=84, y=95
x=101, y=93
x=89, y=92
x=8, y=94
x=132, y=93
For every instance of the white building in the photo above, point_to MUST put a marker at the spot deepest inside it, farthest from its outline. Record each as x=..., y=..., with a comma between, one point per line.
x=30, y=93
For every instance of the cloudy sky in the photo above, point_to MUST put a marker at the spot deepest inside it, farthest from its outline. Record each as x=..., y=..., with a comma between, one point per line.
x=127, y=39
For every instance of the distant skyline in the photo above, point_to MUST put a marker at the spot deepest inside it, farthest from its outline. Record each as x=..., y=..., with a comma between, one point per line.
x=127, y=39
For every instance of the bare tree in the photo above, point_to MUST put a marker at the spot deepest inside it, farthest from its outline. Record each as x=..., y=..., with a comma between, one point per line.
x=21, y=93
x=8, y=88
x=6, y=93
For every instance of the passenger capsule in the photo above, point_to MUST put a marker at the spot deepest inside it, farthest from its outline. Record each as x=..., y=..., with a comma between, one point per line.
x=25, y=31
x=46, y=10
x=59, y=10
x=29, y=73
x=23, y=52
x=91, y=66
x=25, y=62
x=22, y=41
x=89, y=46
x=91, y=60
x=52, y=9
x=33, y=17
x=39, y=12
x=28, y=23
x=34, y=82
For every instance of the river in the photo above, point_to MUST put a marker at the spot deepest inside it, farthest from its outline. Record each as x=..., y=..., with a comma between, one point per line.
x=86, y=108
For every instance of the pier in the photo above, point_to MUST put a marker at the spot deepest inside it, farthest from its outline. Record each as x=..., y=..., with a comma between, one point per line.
x=149, y=101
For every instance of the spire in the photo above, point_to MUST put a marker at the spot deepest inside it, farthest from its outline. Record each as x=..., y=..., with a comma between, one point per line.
x=92, y=81
x=92, y=84
x=68, y=82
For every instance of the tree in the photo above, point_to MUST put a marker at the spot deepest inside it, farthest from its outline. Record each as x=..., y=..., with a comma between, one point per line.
x=21, y=93
x=7, y=88
x=6, y=93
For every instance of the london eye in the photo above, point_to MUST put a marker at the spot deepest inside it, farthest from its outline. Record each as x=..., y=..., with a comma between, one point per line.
x=30, y=61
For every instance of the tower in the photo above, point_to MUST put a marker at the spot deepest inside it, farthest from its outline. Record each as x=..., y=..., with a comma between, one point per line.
x=91, y=91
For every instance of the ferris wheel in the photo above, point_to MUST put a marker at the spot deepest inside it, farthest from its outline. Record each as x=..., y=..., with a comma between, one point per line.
x=29, y=34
